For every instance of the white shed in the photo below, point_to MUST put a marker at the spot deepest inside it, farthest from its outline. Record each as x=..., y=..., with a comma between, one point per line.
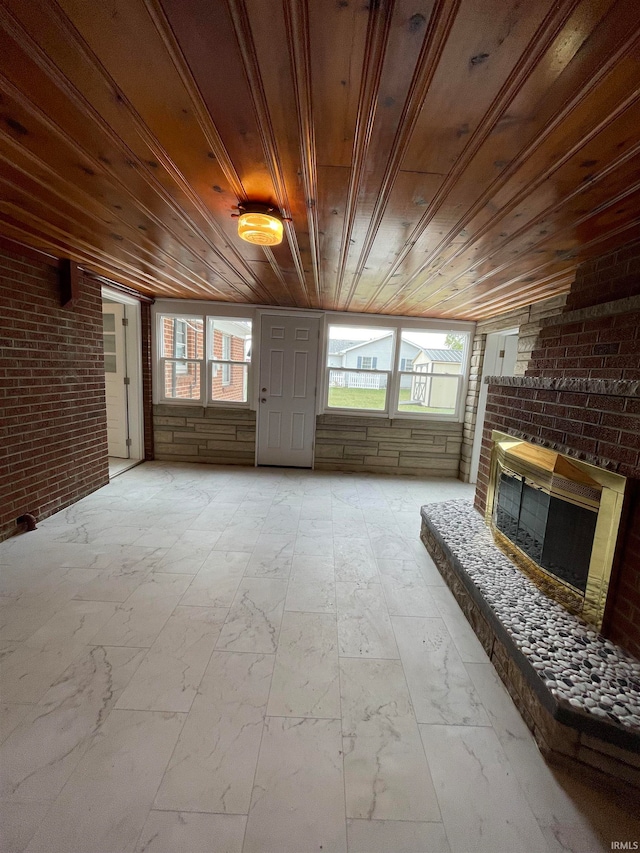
x=434, y=389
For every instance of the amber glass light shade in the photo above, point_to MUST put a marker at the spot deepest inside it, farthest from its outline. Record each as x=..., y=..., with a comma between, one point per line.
x=263, y=229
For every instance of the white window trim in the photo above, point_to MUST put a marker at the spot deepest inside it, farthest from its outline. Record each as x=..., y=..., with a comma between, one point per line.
x=372, y=358
x=225, y=361
x=180, y=360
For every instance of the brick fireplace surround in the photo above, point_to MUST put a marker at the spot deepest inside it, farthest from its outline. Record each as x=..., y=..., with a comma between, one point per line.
x=581, y=396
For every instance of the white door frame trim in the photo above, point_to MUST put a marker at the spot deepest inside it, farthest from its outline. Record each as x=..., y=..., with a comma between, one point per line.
x=489, y=367
x=133, y=343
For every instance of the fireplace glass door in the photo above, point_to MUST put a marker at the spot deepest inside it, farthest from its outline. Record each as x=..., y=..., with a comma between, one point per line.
x=555, y=533
x=557, y=518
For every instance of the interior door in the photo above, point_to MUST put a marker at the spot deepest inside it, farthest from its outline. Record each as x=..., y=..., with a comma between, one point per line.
x=509, y=354
x=500, y=355
x=115, y=374
x=287, y=390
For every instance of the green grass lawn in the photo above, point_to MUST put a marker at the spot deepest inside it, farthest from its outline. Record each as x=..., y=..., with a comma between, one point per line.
x=370, y=398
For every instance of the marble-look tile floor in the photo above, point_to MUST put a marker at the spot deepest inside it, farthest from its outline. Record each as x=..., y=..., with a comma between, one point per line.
x=208, y=659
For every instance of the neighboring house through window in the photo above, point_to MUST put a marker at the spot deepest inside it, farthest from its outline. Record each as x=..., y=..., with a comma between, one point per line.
x=367, y=362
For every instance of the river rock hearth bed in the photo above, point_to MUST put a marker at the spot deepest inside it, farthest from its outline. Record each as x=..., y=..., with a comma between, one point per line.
x=578, y=692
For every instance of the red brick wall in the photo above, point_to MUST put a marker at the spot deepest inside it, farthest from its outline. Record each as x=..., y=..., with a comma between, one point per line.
x=612, y=276
x=593, y=348
x=53, y=447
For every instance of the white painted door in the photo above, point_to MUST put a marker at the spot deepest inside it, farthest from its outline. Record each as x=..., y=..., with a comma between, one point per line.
x=509, y=355
x=287, y=390
x=500, y=355
x=115, y=372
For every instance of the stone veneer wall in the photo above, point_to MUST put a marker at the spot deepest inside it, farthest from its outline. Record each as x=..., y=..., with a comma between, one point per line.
x=343, y=443
x=197, y=434
x=529, y=321
x=581, y=396
x=389, y=446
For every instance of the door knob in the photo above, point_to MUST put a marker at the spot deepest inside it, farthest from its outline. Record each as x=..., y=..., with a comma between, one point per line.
x=263, y=400
x=264, y=390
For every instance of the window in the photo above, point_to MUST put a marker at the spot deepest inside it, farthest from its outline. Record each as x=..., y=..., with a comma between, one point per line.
x=180, y=345
x=404, y=371
x=367, y=362
x=181, y=354
x=179, y=338
x=359, y=361
x=205, y=371
x=229, y=356
x=109, y=339
x=226, y=353
x=431, y=372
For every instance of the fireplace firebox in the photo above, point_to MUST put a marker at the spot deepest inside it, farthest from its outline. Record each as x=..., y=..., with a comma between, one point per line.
x=557, y=518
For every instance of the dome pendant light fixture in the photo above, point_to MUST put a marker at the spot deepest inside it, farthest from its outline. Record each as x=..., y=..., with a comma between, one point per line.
x=260, y=224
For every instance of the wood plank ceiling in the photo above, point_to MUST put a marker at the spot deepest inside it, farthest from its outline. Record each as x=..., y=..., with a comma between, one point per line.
x=444, y=158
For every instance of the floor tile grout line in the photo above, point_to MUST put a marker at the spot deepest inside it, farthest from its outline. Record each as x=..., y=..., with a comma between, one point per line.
x=415, y=717
x=198, y=811
x=342, y=751
x=255, y=769
x=162, y=775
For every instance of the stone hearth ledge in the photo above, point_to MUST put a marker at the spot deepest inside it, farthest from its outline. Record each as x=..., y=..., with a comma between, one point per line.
x=578, y=692
x=608, y=387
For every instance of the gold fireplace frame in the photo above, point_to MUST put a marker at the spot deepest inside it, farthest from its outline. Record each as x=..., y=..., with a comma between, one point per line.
x=531, y=460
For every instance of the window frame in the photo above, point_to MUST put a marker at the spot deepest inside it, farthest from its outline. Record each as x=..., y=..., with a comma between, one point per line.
x=398, y=325
x=362, y=366
x=226, y=356
x=385, y=330
x=180, y=366
x=228, y=363
x=205, y=400
x=462, y=377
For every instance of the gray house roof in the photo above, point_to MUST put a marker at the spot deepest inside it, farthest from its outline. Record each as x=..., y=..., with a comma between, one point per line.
x=337, y=345
x=452, y=356
x=356, y=344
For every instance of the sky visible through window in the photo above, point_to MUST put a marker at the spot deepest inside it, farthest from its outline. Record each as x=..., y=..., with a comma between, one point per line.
x=362, y=333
